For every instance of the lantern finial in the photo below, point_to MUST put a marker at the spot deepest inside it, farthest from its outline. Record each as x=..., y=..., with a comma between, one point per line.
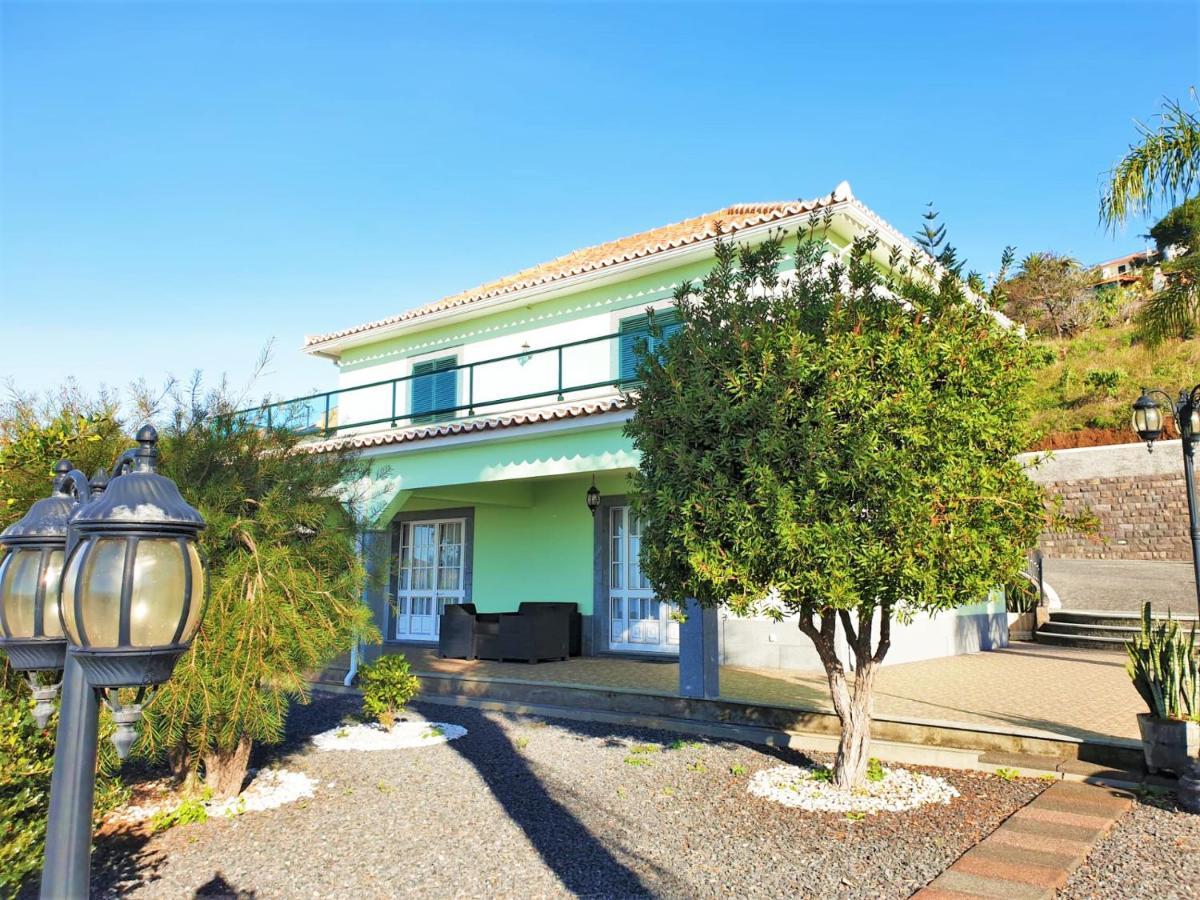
x=146, y=455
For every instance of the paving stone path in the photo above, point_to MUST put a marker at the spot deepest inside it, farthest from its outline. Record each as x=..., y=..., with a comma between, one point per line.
x=1037, y=848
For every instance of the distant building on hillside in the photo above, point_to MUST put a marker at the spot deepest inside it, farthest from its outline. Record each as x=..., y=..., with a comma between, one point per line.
x=1124, y=269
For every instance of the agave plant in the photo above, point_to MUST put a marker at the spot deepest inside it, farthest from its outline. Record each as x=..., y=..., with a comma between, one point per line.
x=1162, y=664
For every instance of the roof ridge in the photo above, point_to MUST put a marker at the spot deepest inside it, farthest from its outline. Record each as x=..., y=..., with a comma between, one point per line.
x=640, y=244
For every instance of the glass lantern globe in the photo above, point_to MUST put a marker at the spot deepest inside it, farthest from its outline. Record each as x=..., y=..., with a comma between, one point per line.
x=31, y=632
x=1147, y=418
x=133, y=589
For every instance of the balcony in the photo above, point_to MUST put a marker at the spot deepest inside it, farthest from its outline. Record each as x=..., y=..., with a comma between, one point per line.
x=578, y=370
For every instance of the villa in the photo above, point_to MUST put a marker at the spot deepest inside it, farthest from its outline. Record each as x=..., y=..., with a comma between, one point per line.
x=488, y=415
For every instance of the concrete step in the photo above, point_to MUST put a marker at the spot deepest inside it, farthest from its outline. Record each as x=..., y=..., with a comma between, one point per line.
x=603, y=703
x=1082, y=642
x=1081, y=629
x=1105, y=617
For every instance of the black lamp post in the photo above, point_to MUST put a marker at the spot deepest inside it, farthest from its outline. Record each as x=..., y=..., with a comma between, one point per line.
x=130, y=599
x=1149, y=421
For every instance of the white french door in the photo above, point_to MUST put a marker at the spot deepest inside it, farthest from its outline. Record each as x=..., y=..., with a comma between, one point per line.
x=430, y=575
x=637, y=619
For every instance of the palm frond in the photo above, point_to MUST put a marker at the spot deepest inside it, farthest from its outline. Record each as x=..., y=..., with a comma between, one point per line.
x=1163, y=165
x=1173, y=311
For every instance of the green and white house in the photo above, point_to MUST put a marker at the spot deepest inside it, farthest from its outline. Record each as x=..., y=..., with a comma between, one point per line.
x=486, y=416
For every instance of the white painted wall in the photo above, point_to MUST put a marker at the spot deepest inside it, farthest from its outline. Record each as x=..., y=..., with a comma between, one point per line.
x=1110, y=461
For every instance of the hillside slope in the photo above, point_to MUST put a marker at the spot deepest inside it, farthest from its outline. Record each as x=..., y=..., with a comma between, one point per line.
x=1082, y=396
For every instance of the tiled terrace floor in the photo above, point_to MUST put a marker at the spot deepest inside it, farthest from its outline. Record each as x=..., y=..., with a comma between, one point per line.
x=1029, y=687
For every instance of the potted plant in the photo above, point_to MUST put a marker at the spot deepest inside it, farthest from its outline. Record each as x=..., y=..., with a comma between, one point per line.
x=1021, y=600
x=1162, y=665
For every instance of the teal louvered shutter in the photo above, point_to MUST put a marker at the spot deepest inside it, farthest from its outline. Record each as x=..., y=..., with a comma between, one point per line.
x=434, y=391
x=635, y=332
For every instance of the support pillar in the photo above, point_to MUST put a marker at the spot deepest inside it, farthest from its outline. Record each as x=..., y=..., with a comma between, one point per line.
x=700, y=652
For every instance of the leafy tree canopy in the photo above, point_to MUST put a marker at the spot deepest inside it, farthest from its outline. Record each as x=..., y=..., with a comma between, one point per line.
x=1051, y=294
x=839, y=446
x=1179, y=228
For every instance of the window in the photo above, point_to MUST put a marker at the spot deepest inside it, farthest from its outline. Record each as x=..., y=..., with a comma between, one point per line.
x=434, y=390
x=635, y=332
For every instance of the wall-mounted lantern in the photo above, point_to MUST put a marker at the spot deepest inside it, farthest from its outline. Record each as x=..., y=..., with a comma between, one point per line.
x=593, y=497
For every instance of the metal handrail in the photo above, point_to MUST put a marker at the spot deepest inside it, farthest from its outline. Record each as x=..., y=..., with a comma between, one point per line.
x=326, y=397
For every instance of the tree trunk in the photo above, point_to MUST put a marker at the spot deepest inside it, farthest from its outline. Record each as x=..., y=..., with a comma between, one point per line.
x=855, y=709
x=853, y=703
x=225, y=770
x=183, y=770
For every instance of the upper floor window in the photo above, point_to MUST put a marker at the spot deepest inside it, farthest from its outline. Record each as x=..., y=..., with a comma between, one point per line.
x=434, y=389
x=635, y=332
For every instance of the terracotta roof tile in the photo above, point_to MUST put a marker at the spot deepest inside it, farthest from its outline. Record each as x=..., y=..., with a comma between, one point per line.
x=490, y=423
x=728, y=220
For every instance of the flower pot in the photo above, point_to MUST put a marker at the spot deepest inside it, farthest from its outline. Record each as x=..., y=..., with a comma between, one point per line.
x=1168, y=743
x=1020, y=626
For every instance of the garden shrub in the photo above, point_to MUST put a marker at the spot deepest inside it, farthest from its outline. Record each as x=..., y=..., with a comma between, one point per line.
x=1104, y=380
x=26, y=764
x=388, y=685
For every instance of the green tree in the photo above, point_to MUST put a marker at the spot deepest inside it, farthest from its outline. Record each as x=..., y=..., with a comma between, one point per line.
x=285, y=586
x=1178, y=228
x=840, y=447
x=26, y=764
x=35, y=434
x=281, y=545
x=1051, y=294
x=1174, y=309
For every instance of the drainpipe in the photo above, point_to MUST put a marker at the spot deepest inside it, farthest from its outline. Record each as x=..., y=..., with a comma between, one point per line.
x=348, y=681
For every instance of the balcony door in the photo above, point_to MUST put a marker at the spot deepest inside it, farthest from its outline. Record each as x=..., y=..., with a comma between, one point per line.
x=638, y=620
x=429, y=575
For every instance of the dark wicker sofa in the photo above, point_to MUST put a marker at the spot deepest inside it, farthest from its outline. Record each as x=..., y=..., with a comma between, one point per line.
x=536, y=631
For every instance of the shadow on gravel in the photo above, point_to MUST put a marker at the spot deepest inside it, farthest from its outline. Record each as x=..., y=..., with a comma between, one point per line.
x=580, y=860
x=217, y=886
x=121, y=861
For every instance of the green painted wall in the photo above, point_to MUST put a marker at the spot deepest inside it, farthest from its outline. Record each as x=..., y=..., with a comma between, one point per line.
x=489, y=461
x=541, y=551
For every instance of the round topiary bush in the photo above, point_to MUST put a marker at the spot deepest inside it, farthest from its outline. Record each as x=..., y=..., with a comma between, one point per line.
x=388, y=685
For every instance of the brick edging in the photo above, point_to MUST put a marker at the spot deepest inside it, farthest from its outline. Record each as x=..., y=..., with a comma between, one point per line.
x=1034, y=852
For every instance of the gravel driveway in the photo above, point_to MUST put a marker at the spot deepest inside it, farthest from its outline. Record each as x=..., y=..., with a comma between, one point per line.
x=544, y=807
x=1152, y=852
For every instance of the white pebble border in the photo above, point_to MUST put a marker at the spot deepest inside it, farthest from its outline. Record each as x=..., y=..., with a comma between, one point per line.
x=402, y=736
x=899, y=790
x=268, y=789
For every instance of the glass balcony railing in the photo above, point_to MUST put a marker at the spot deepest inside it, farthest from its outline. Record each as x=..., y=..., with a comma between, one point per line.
x=578, y=370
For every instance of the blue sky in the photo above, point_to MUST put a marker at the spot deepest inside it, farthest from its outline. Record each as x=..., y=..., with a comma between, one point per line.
x=180, y=182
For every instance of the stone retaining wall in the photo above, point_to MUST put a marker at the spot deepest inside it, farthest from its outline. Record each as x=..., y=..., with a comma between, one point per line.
x=1139, y=499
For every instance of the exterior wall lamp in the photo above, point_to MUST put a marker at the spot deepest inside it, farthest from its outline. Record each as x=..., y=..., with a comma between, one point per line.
x=115, y=562
x=593, y=497
x=1149, y=421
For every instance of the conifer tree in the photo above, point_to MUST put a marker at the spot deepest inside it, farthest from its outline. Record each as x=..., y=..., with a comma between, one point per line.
x=285, y=587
